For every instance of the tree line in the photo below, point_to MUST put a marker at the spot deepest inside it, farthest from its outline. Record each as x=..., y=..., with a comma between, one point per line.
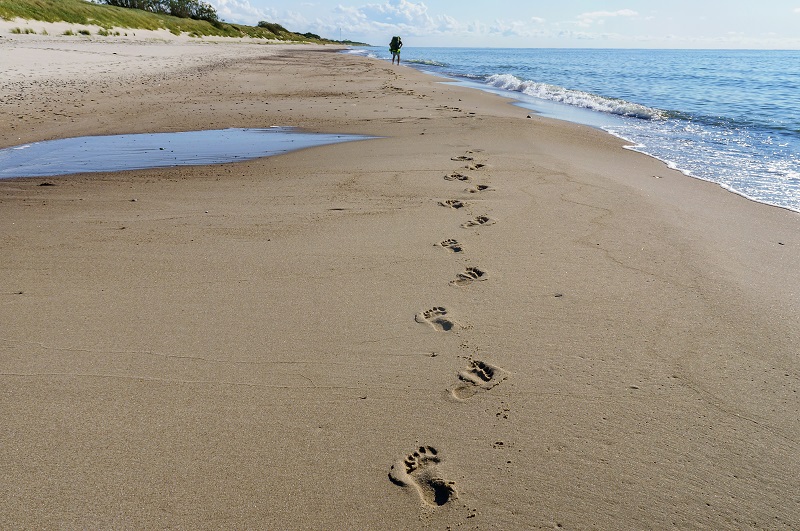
x=177, y=8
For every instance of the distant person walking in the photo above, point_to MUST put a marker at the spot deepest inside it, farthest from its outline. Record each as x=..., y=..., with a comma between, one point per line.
x=394, y=47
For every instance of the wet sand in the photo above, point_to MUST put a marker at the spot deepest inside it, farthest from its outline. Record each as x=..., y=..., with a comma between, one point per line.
x=479, y=320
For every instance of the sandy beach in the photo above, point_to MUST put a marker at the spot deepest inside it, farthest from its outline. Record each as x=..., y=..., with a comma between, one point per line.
x=481, y=319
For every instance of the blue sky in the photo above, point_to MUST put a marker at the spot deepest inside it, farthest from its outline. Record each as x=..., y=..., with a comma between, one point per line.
x=533, y=23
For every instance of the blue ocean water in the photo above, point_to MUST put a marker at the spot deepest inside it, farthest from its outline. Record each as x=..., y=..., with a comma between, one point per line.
x=727, y=116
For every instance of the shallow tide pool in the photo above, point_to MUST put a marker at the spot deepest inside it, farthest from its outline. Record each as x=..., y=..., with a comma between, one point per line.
x=155, y=150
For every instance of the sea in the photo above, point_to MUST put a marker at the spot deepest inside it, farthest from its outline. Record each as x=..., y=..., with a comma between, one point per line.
x=731, y=117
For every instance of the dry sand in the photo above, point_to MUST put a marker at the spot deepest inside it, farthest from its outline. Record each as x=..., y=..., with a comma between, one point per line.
x=322, y=340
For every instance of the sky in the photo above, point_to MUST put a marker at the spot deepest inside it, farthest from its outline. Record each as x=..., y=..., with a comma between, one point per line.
x=755, y=24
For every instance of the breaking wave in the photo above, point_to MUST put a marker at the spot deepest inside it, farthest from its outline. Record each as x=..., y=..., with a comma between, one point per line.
x=576, y=98
x=424, y=62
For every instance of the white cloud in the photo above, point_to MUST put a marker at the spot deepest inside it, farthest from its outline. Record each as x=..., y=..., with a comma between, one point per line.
x=242, y=12
x=599, y=17
x=398, y=12
x=413, y=19
x=372, y=20
x=395, y=17
x=512, y=29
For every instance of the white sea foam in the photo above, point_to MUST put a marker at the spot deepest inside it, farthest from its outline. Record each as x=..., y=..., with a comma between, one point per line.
x=576, y=98
x=361, y=52
x=425, y=62
x=721, y=123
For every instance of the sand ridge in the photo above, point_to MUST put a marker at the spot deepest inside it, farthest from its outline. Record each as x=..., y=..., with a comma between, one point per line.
x=312, y=341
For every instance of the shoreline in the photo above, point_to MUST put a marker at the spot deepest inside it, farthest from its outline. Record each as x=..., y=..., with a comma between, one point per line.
x=166, y=38
x=673, y=166
x=741, y=170
x=477, y=319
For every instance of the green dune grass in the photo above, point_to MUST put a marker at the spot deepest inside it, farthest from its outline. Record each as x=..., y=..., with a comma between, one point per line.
x=107, y=17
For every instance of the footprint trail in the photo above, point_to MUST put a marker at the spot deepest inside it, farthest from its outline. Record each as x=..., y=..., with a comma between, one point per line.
x=479, y=376
x=479, y=221
x=455, y=176
x=435, y=317
x=419, y=470
x=452, y=245
x=470, y=275
x=453, y=203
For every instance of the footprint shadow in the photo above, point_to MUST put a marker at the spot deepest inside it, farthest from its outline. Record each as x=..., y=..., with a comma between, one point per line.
x=419, y=470
x=453, y=203
x=479, y=188
x=455, y=176
x=470, y=275
x=452, y=245
x=478, y=222
x=436, y=318
x=478, y=377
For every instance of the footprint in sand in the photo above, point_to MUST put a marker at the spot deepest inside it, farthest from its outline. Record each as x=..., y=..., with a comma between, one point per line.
x=455, y=176
x=436, y=318
x=477, y=222
x=462, y=158
x=479, y=376
x=452, y=245
x=470, y=275
x=453, y=203
x=479, y=188
x=419, y=470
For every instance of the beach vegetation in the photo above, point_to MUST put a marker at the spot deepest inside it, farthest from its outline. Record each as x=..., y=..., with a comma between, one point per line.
x=194, y=9
x=202, y=20
x=272, y=27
